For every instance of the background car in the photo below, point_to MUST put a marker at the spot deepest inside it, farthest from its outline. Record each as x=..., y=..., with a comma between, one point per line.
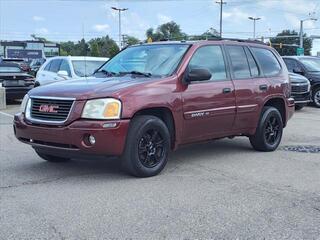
x=22, y=63
x=300, y=90
x=36, y=64
x=16, y=82
x=63, y=68
x=310, y=68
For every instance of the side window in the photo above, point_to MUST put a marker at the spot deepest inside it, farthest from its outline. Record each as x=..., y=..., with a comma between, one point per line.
x=252, y=64
x=268, y=61
x=47, y=67
x=210, y=58
x=291, y=64
x=239, y=63
x=65, y=67
x=55, y=65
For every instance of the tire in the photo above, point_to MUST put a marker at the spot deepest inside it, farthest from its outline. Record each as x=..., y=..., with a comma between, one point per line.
x=316, y=97
x=147, y=147
x=299, y=107
x=51, y=158
x=269, y=131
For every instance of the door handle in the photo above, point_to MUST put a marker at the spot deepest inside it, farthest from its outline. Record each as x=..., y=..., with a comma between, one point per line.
x=226, y=90
x=263, y=87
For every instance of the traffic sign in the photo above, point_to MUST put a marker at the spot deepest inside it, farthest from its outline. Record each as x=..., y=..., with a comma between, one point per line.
x=300, y=51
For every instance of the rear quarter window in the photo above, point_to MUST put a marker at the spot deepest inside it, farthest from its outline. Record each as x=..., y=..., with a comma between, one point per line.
x=268, y=61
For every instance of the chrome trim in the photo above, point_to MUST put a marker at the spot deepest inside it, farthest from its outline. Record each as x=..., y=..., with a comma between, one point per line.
x=38, y=121
x=305, y=101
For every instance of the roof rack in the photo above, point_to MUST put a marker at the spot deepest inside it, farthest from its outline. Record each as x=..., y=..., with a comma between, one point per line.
x=237, y=40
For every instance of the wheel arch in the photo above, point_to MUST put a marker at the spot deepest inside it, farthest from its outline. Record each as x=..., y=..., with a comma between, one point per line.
x=166, y=115
x=278, y=103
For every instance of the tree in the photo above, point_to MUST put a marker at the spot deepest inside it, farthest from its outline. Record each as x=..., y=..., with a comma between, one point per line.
x=166, y=31
x=293, y=42
x=130, y=40
x=103, y=47
x=210, y=34
x=67, y=48
x=41, y=39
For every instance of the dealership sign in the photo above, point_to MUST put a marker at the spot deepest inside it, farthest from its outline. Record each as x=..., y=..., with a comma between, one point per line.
x=24, y=54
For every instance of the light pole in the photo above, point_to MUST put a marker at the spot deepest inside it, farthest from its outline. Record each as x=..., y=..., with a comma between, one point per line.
x=221, y=2
x=301, y=29
x=119, y=11
x=254, y=19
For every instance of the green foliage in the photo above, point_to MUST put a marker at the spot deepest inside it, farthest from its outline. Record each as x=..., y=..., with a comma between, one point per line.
x=290, y=50
x=166, y=31
x=130, y=40
x=210, y=34
x=97, y=47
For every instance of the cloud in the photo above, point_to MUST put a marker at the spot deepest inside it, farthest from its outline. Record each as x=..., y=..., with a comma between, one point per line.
x=101, y=27
x=163, y=18
x=290, y=6
x=294, y=21
x=38, y=18
x=42, y=30
x=235, y=15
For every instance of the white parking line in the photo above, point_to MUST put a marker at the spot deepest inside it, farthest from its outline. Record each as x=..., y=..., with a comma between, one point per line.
x=7, y=114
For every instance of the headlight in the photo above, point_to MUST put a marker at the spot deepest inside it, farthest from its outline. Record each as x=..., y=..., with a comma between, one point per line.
x=105, y=108
x=24, y=103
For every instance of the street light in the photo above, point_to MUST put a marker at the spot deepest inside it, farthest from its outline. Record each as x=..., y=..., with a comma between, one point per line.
x=254, y=19
x=119, y=10
x=301, y=29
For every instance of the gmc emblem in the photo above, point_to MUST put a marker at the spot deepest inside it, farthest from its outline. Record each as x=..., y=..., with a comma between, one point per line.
x=48, y=108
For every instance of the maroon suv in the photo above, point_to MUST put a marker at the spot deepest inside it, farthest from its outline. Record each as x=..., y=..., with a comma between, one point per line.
x=152, y=98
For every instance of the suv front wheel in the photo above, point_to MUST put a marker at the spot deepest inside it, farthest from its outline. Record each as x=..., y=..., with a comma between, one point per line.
x=147, y=146
x=269, y=131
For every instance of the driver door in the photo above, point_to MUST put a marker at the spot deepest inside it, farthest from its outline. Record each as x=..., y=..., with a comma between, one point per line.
x=209, y=107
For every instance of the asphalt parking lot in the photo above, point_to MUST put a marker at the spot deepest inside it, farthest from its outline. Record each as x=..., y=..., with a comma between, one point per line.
x=218, y=190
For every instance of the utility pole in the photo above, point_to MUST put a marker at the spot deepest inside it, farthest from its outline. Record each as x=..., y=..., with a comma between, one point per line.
x=119, y=11
x=301, y=33
x=221, y=2
x=254, y=25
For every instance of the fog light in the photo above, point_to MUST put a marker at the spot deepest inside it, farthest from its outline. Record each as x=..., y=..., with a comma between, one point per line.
x=91, y=139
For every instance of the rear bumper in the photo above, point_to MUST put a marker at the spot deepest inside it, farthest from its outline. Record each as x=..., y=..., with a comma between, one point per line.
x=17, y=92
x=71, y=141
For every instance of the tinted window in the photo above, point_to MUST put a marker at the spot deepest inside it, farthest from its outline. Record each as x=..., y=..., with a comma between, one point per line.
x=55, y=65
x=291, y=64
x=311, y=64
x=268, y=62
x=65, y=67
x=252, y=64
x=210, y=58
x=10, y=69
x=47, y=67
x=239, y=63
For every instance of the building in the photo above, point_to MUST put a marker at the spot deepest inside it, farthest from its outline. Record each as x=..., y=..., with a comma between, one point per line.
x=28, y=49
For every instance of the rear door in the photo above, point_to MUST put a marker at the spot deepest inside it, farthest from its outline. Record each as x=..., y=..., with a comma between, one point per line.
x=208, y=106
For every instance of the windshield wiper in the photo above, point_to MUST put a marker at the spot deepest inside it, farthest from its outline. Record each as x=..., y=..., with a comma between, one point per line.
x=137, y=73
x=105, y=72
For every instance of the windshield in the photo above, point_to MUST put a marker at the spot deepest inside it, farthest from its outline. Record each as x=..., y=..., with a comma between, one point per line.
x=8, y=69
x=311, y=64
x=156, y=60
x=86, y=68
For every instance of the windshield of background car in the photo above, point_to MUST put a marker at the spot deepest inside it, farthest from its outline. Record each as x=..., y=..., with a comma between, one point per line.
x=9, y=69
x=311, y=64
x=157, y=60
x=85, y=68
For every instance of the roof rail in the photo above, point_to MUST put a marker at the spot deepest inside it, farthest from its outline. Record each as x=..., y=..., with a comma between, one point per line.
x=237, y=40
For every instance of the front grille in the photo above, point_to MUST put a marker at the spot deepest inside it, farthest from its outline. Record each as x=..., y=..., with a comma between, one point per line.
x=299, y=88
x=55, y=110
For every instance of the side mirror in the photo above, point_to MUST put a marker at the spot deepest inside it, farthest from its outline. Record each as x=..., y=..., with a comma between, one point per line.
x=298, y=70
x=198, y=74
x=63, y=74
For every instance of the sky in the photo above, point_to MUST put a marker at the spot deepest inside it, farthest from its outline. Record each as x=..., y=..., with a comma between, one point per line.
x=63, y=20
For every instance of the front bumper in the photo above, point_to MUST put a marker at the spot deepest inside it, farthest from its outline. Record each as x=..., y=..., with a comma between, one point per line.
x=301, y=98
x=71, y=140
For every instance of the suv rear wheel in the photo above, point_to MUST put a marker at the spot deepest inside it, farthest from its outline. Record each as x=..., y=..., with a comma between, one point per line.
x=147, y=146
x=316, y=97
x=269, y=131
x=51, y=158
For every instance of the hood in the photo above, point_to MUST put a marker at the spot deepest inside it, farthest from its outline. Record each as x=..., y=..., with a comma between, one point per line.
x=90, y=88
x=314, y=76
x=296, y=78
